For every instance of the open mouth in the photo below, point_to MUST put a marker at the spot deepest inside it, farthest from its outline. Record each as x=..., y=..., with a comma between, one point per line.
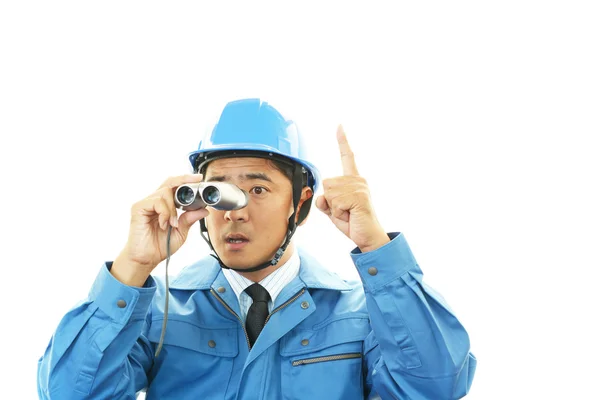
x=236, y=241
x=231, y=240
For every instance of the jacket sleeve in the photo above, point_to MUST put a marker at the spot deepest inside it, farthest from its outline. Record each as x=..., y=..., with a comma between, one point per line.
x=417, y=348
x=99, y=350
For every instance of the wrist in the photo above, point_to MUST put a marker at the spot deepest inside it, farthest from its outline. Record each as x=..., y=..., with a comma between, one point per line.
x=378, y=241
x=130, y=272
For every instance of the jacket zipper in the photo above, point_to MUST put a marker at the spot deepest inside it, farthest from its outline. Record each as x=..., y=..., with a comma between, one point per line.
x=300, y=293
x=335, y=357
x=237, y=316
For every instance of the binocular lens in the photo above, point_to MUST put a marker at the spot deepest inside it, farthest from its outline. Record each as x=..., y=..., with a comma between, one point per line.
x=211, y=195
x=185, y=195
x=219, y=195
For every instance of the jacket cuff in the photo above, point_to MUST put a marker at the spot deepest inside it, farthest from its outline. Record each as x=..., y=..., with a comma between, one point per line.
x=119, y=301
x=379, y=267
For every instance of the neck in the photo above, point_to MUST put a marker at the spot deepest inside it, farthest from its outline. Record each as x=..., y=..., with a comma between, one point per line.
x=258, y=276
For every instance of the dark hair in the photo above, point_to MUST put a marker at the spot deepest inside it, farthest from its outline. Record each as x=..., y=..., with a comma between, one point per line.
x=288, y=171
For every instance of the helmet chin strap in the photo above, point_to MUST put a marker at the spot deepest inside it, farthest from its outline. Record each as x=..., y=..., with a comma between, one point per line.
x=296, y=193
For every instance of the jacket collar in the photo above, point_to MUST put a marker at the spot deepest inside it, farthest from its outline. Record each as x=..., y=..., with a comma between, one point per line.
x=202, y=274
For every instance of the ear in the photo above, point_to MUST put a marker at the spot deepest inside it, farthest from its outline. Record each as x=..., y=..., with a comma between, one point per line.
x=307, y=193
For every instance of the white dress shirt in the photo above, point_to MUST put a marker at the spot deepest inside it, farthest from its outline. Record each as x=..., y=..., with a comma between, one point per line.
x=273, y=282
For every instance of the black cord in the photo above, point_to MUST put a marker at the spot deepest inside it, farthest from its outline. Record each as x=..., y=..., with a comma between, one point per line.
x=166, y=312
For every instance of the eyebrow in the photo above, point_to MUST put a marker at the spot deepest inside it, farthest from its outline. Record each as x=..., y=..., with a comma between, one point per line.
x=252, y=176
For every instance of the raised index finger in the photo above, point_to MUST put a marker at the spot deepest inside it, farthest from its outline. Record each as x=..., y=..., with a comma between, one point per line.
x=348, y=162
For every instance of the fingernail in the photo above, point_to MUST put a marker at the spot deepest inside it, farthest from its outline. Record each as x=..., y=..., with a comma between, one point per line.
x=174, y=222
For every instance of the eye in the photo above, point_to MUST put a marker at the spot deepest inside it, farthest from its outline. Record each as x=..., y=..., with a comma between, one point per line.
x=258, y=190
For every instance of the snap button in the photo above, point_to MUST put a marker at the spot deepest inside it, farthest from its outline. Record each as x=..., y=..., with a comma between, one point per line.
x=211, y=344
x=121, y=304
x=221, y=289
x=304, y=342
x=304, y=305
x=373, y=271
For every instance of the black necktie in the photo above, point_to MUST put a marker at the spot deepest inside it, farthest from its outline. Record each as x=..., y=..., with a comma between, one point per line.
x=257, y=314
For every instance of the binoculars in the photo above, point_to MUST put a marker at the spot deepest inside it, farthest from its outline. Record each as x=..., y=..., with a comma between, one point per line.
x=218, y=195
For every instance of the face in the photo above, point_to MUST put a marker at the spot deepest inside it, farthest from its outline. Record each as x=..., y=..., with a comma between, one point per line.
x=250, y=236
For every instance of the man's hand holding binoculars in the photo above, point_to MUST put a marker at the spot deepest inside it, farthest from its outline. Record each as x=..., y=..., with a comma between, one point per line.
x=150, y=219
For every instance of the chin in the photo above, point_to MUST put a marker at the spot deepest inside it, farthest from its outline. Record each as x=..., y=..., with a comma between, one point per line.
x=240, y=260
x=234, y=259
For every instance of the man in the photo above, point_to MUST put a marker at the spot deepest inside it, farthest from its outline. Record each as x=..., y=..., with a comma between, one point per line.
x=259, y=319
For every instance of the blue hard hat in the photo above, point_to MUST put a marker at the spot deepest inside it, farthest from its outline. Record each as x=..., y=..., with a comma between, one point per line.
x=254, y=126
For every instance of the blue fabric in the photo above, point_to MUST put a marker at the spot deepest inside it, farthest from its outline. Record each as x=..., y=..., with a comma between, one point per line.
x=394, y=336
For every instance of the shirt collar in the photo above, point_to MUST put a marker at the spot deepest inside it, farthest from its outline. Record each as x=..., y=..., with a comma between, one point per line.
x=274, y=282
x=202, y=274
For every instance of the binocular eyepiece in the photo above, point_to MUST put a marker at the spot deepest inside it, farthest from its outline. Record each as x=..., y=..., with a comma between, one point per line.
x=218, y=195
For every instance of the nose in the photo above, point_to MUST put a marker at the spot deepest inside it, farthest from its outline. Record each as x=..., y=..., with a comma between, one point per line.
x=240, y=215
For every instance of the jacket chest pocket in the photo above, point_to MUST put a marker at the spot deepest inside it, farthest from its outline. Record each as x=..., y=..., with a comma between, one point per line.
x=192, y=357
x=324, y=362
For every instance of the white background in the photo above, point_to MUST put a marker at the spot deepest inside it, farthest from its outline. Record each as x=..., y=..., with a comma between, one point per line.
x=475, y=123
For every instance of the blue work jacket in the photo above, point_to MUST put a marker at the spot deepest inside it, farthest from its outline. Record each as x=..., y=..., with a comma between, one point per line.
x=391, y=337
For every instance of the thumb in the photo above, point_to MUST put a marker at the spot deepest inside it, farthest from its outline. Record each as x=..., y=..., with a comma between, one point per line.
x=189, y=218
x=322, y=205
